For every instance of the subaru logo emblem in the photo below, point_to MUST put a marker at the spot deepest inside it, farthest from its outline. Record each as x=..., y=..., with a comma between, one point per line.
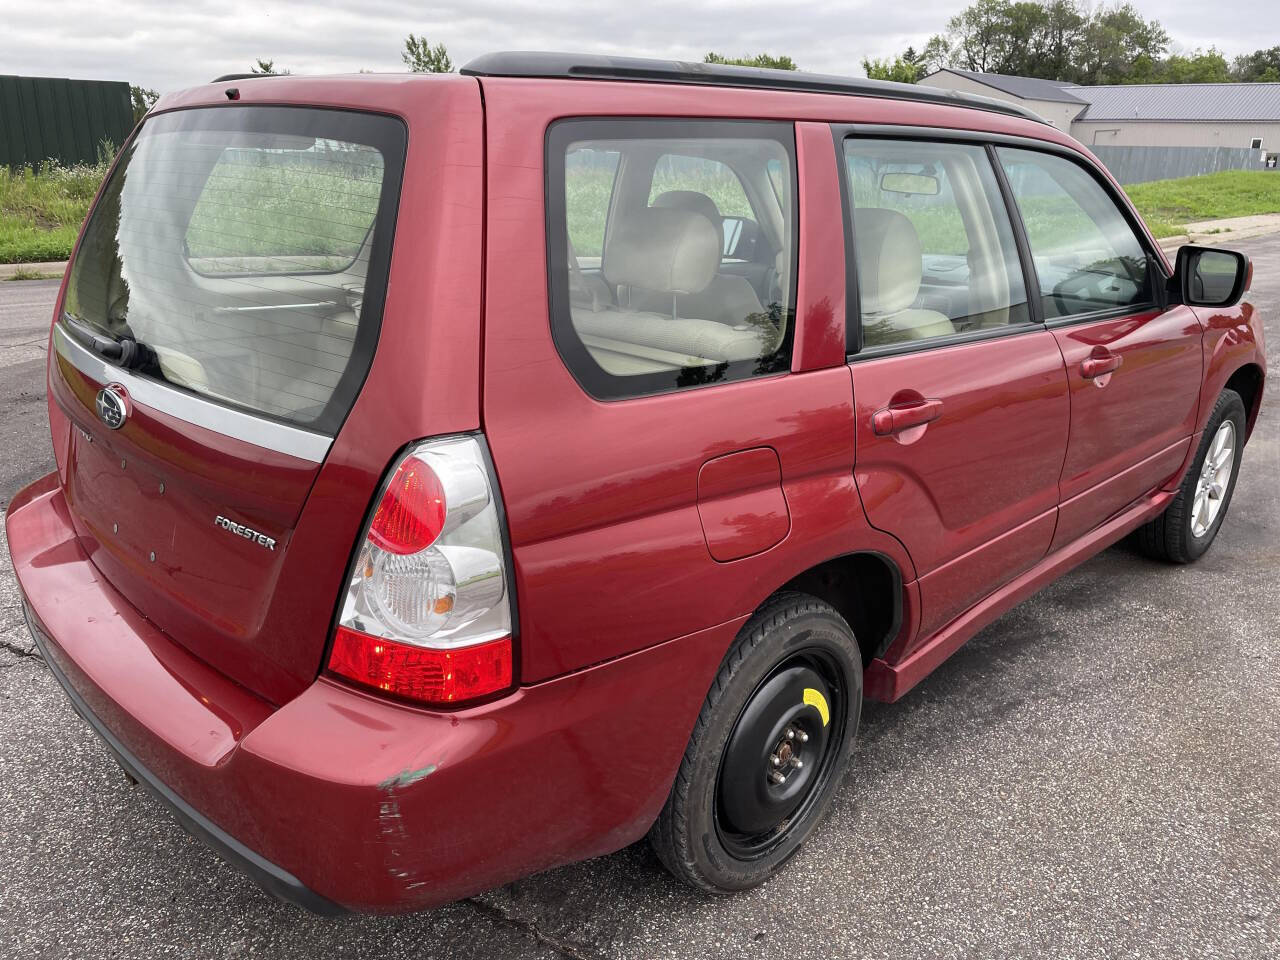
x=113, y=405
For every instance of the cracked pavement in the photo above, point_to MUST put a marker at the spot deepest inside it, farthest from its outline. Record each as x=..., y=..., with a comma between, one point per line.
x=1094, y=775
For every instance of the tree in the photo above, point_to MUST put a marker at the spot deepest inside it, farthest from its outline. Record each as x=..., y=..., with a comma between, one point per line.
x=1114, y=39
x=1050, y=39
x=936, y=54
x=268, y=68
x=1030, y=38
x=142, y=100
x=421, y=57
x=759, y=60
x=1195, y=67
x=980, y=37
x=1259, y=66
x=899, y=69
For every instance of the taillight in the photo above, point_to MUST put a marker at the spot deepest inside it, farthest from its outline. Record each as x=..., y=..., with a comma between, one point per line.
x=427, y=615
x=412, y=512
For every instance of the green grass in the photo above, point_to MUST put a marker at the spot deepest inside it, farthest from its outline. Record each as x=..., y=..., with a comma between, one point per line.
x=262, y=205
x=1168, y=205
x=22, y=273
x=41, y=210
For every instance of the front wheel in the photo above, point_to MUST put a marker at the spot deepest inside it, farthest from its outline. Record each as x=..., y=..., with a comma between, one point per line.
x=1189, y=524
x=768, y=749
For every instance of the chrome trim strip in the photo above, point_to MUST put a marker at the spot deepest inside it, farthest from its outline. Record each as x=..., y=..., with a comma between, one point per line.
x=267, y=434
x=260, y=308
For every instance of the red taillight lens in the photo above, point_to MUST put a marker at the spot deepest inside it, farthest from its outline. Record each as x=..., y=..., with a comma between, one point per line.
x=412, y=512
x=427, y=674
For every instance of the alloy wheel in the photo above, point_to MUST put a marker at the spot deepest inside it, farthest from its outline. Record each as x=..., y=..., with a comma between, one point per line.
x=1215, y=477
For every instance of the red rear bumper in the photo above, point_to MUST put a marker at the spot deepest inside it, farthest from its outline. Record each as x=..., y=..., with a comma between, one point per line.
x=341, y=799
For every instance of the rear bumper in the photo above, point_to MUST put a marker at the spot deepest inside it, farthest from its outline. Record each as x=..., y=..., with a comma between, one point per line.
x=269, y=876
x=338, y=799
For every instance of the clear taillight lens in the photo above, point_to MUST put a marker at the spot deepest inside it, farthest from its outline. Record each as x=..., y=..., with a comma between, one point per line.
x=427, y=613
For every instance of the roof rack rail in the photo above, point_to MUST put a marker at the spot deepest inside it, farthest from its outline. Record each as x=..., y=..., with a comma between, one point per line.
x=245, y=76
x=594, y=66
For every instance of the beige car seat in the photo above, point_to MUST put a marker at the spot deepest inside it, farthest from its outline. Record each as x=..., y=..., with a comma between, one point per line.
x=726, y=298
x=889, y=272
x=656, y=258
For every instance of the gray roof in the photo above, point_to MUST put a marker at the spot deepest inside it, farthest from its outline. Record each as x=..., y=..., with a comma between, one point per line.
x=1182, y=101
x=1029, y=88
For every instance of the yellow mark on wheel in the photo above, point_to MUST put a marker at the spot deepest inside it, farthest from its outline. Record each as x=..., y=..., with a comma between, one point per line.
x=815, y=699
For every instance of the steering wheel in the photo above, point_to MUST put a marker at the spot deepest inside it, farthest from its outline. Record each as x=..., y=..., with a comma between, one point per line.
x=1087, y=285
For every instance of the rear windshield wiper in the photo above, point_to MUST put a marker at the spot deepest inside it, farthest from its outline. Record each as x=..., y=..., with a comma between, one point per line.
x=127, y=352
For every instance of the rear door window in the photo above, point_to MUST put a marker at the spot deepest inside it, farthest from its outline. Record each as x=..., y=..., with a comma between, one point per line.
x=935, y=249
x=245, y=249
x=672, y=251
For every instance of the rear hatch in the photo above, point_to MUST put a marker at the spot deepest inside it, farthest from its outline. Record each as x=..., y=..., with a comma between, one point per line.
x=219, y=321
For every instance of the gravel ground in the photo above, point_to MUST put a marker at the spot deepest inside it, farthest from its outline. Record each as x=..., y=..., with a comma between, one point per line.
x=1096, y=774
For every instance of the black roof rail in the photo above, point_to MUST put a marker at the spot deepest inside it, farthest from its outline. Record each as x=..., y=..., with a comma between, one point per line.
x=595, y=66
x=245, y=76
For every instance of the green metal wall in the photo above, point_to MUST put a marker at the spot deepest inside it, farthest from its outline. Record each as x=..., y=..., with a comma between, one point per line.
x=43, y=117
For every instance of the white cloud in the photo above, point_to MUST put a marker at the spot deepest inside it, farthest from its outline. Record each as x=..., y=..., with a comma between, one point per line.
x=169, y=45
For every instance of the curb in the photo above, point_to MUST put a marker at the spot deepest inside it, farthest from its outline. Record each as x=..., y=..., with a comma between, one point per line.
x=58, y=267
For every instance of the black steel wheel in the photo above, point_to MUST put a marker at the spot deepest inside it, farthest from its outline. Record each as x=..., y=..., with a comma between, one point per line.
x=768, y=749
x=782, y=749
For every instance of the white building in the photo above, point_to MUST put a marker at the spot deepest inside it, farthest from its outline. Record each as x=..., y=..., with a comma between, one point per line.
x=1141, y=114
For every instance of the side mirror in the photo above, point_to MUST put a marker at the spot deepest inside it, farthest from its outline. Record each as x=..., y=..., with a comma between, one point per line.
x=1211, y=276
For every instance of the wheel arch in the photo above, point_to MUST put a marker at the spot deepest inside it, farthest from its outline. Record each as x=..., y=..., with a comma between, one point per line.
x=865, y=587
x=1247, y=380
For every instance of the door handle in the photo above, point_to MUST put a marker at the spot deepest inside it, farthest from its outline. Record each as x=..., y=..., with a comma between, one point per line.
x=895, y=419
x=1094, y=367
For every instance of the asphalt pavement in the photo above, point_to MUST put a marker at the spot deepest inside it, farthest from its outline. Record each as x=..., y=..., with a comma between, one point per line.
x=1097, y=774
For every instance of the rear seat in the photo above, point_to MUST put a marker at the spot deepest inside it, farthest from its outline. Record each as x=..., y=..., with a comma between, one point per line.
x=658, y=257
x=728, y=298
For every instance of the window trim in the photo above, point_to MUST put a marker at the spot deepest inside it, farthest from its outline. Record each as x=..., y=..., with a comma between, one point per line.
x=955, y=339
x=855, y=349
x=1030, y=279
x=594, y=380
x=853, y=308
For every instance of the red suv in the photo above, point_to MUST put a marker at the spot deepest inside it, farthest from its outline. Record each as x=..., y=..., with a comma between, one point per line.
x=459, y=476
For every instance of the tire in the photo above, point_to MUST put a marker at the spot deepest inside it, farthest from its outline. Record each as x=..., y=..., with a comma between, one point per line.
x=762, y=721
x=1180, y=534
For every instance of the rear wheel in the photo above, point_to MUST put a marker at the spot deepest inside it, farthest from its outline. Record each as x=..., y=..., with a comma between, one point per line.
x=1190, y=523
x=768, y=748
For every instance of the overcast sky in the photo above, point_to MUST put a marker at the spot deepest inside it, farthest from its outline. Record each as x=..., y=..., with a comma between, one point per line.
x=170, y=45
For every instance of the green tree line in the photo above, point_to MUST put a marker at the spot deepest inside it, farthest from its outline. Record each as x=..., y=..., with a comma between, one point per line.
x=1068, y=41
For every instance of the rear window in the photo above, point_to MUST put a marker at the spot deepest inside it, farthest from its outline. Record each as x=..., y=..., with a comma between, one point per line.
x=671, y=246
x=246, y=249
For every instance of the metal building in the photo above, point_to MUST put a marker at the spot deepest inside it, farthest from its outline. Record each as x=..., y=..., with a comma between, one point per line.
x=44, y=118
x=1139, y=114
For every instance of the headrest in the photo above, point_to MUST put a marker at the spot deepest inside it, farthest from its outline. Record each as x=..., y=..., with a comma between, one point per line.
x=888, y=255
x=670, y=251
x=690, y=200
